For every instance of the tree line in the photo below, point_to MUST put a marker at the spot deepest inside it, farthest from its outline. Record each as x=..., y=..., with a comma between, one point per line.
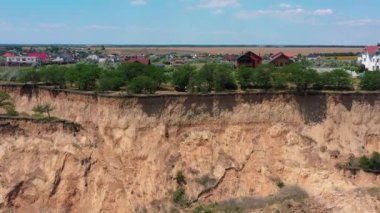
x=138, y=78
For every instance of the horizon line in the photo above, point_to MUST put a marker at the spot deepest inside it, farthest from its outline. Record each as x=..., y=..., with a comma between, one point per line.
x=183, y=45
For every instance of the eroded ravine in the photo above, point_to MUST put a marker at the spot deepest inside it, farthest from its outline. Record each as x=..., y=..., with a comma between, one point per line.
x=232, y=148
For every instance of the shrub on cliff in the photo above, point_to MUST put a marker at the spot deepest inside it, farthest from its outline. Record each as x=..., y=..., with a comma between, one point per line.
x=180, y=198
x=370, y=163
x=40, y=110
x=371, y=81
x=224, y=78
x=142, y=85
x=182, y=76
x=29, y=76
x=111, y=80
x=6, y=104
x=302, y=76
x=337, y=80
x=54, y=75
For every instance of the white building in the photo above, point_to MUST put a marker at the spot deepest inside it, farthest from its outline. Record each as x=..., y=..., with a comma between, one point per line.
x=370, y=58
x=22, y=60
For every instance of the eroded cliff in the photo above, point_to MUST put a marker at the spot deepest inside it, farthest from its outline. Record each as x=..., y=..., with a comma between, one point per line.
x=233, y=149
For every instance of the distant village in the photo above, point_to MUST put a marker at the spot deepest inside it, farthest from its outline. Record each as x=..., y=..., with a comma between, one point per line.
x=368, y=59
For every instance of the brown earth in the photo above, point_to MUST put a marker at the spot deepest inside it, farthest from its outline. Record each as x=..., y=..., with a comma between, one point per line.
x=231, y=50
x=233, y=149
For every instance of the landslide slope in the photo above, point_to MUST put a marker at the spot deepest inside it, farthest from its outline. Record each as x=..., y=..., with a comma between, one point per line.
x=256, y=152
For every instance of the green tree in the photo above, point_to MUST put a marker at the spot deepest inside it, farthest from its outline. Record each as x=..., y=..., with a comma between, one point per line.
x=142, y=85
x=302, y=76
x=224, y=78
x=111, y=80
x=245, y=79
x=371, y=81
x=86, y=76
x=40, y=110
x=54, y=75
x=182, y=75
x=261, y=76
x=278, y=78
x=337, y=79
x=29, y=75
x=205, y=77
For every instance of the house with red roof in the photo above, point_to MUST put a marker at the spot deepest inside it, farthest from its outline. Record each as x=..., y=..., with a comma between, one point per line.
x=281, y=59
x=370, y=58
x=140, y=60
x=8, y=54
x=41, y=56
x=249, y=59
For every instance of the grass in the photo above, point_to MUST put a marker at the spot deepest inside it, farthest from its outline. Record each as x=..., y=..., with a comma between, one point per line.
x=246, y=204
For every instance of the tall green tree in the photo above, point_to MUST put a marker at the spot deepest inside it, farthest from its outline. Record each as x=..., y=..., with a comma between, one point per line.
x=337, y=79
x=224, y=78
x=370, y=81
x=86, y=76
x=111, y=80
x=182, y=76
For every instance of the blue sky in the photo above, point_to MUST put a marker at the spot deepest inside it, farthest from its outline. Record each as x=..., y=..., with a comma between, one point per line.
x=330, y=22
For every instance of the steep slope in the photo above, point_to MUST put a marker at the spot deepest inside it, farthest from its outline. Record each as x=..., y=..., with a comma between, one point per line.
x=233, y=149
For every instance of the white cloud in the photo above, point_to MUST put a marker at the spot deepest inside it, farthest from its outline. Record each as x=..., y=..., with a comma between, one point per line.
x=218, y=3
x=284, y=11
x=323, y=12
x=361, y=22
x=138, y=2
x=288, y=13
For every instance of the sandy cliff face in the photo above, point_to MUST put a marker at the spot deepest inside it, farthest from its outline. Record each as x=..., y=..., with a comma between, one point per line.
x=232, y=149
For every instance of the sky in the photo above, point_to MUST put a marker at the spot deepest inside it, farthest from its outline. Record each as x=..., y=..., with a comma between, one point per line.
x=246, y=22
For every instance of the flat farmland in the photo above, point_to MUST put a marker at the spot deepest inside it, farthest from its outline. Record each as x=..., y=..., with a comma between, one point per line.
x=231, y=50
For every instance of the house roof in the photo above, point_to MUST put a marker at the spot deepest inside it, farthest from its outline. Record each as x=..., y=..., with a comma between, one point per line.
x=42, y=56
x=9, y=54
x=251, y=55
x=287, y=54
x=279, y=55
x=139, y=60
x=371, y=49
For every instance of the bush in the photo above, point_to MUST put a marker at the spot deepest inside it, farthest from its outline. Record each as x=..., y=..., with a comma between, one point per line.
x=180, y=178
x=302, y=76
x=182, y=76
x=86, y=76
x=261, y=76
x=40, y=110
x=54, y=75
x=142, y=85
x=280, y=184
x=224, y=78
x=6, y=103
x=337, y=79
x=179, y=197
x=245, y=77
x=205, y=77
x=371, y=81
x=111, y=81
x=368, y=164
x=29, y=75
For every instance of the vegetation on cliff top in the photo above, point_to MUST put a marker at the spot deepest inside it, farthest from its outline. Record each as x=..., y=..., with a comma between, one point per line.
x=144, y=79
